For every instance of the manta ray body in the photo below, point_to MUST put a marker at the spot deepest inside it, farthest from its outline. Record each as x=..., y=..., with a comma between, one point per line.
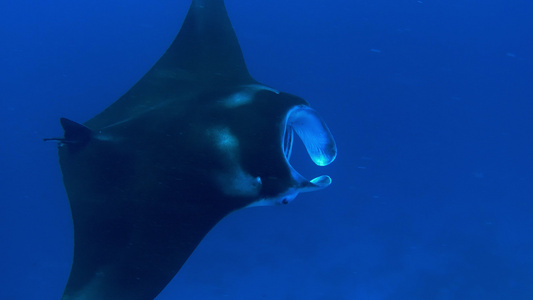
x=195, y=139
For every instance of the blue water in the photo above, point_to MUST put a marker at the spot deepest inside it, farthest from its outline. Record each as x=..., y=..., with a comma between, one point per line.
x=430, y=103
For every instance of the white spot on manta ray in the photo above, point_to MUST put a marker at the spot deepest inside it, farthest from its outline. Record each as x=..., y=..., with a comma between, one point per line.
x=246, y=94
x=224, y=140
x=233, y=181
x=239, y=183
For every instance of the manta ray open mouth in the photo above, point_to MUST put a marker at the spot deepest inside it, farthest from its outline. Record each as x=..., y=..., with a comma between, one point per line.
x=317, y=139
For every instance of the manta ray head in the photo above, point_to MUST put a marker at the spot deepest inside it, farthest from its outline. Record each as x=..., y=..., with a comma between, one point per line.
x=261, y=150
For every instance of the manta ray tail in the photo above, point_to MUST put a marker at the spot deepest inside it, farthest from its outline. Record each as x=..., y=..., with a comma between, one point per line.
x=76, y=135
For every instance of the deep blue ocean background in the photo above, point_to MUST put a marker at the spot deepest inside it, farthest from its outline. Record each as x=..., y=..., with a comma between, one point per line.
x=430, y=103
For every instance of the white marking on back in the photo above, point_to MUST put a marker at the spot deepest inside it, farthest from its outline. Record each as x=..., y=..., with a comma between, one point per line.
x=246, y=95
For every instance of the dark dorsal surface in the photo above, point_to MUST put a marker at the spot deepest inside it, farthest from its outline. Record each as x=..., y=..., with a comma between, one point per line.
x=193, y=140
x=204, y=55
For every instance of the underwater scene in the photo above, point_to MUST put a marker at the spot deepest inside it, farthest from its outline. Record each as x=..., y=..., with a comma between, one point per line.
x=321, y=150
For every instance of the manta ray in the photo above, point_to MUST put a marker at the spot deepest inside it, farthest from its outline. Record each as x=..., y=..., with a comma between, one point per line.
x=195, y=139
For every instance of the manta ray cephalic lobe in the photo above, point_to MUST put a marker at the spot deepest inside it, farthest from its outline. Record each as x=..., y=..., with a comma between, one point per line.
x=195, y=139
